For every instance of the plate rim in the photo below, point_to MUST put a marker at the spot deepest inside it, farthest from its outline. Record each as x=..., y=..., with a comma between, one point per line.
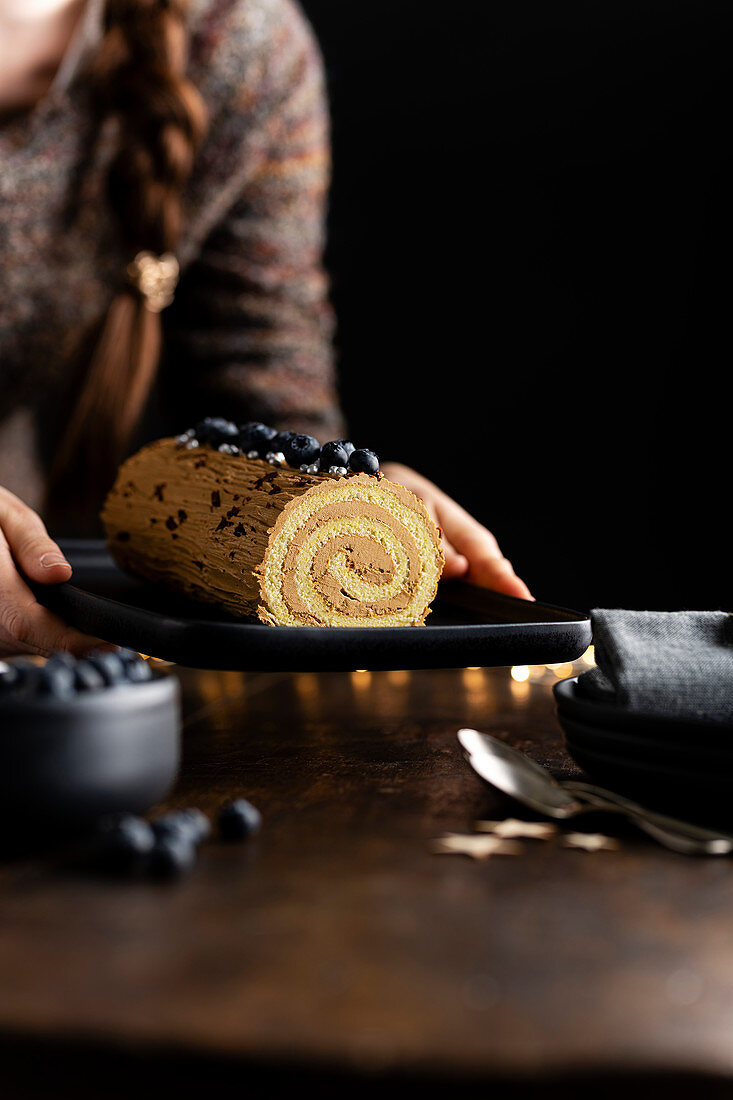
x=308, y=648
x=610, y=716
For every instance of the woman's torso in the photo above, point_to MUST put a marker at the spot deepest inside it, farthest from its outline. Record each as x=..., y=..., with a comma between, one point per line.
x=60, y=256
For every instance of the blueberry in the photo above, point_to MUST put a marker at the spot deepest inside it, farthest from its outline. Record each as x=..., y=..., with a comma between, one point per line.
x=24, y=676
x=301, y=450
x=136, y=667
x=138, y=672
x=56, y=679
x=110, y=666
x=127, y=656
x=87, y=677
x=199, y=824
x=238, y=819
x=215, y=430
x=281, y=441
x=10, y=677
x=63, y=657
x=124, y=842
x=364, y=462
x=190, y=825
x=254, y=436
x=333, y=454
x=347, y=445
x=172, y=855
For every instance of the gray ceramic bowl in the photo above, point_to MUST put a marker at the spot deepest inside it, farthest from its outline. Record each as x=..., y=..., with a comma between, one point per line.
x=66, y=762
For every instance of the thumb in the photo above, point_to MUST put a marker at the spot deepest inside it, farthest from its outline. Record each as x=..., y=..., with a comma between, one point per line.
x=43, y=561
x=33, y=550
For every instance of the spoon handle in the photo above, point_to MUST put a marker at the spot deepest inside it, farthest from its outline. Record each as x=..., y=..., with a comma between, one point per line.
x=680, y=842
x=600, y=797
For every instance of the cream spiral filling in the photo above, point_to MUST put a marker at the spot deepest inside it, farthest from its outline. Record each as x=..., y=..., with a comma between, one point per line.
x=355, y=554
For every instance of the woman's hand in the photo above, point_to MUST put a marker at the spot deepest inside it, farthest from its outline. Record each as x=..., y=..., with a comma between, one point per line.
x=471, y=552
x=25, y=625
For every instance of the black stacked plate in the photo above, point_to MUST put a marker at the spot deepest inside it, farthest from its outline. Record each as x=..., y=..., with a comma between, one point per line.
x=673, y=763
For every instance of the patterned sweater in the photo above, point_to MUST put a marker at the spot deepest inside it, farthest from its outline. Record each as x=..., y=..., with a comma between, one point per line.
x=249, y=335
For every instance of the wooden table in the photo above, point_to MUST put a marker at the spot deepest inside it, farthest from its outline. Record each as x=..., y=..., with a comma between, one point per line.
x=338, y=949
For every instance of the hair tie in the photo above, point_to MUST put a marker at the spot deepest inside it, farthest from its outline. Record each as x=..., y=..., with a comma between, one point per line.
x=155, y=278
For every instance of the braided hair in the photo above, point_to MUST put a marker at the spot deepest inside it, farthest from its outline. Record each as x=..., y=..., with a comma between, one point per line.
x=139, y=81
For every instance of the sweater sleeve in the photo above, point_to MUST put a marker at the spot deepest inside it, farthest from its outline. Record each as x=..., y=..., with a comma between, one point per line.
x=251, y=333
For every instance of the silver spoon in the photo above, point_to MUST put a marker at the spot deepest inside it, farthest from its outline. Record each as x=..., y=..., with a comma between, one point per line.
x=515, y=774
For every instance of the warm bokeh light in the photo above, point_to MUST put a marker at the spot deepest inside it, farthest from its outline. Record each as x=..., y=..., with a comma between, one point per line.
x=520, y=673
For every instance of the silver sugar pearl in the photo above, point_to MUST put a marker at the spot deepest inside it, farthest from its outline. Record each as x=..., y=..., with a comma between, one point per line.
x=314, y=468
x=253, y=454
x=228, y=449
x=340, y=470
x=192, y=444
x=275, y=458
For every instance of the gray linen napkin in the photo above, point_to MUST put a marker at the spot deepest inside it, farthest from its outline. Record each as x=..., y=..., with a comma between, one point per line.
x=674, y=664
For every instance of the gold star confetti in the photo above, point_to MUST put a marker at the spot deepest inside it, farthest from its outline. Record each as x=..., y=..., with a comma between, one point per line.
x=590, y=842
x=513, y=827
x=475, y=845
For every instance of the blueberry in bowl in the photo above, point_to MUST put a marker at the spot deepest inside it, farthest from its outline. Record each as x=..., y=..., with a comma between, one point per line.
x=84, y=737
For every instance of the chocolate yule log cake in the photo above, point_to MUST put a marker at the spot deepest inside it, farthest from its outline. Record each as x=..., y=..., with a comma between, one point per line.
x=275, y=525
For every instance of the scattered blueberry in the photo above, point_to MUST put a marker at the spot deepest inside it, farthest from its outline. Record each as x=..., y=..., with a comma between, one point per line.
x=301, y=450
x=215, y=430
x=254, y=436
x=124, y=842
x=199, y=822
x=363, y=462
x=333, y=454
x=172, y=855
x=238, y=819
x=191, y=825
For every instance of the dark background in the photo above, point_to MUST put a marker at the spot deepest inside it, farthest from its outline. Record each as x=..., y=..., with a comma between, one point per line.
x=530, y=250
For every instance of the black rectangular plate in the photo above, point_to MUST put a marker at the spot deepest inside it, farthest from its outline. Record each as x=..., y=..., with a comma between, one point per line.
x=469, y=626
